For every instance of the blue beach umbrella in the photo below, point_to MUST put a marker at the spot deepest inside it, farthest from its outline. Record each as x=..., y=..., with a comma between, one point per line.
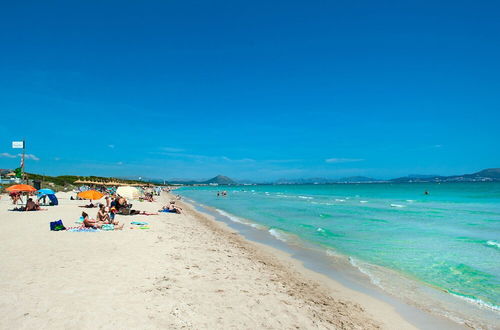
x=50, y=194
x=45, y=191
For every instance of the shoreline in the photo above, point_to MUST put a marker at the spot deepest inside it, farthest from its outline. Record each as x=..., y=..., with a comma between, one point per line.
x=312, y=264
x=188, y=270
x=315, y=253
x=314, y=286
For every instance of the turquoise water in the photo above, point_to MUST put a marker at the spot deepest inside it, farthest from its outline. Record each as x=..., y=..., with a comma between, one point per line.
x=449, y=239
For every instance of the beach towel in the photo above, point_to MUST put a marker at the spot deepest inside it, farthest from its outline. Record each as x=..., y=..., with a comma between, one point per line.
x=140, y=227
x=108, y=227
x=138, y=223
x=89, y=230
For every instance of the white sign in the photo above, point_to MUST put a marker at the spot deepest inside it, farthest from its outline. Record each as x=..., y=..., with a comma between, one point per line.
x=18, y=144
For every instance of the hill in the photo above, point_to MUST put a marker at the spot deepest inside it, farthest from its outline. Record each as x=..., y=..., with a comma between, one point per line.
x=220, y=179
x=357, y=179
x=487, y=175
x=64, y=180
x=351, y=179
x=491, y=173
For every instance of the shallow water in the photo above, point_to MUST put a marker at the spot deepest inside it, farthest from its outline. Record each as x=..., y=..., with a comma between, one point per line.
x=448, y=240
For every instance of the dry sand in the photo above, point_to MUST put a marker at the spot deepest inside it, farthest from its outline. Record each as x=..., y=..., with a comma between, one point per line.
x=186, y=271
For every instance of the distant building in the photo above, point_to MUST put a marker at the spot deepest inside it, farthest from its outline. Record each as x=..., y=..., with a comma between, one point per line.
x=7, y=177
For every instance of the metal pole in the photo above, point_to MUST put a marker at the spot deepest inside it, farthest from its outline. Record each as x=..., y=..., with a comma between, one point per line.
x=22, y=168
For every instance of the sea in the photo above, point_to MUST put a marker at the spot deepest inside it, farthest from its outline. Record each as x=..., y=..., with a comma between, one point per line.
x=434, y=245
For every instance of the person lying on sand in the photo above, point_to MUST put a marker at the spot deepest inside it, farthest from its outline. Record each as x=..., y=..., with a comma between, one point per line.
x=88, y=206
x=172, y=208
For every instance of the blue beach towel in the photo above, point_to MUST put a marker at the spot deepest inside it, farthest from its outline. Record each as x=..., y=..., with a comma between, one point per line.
x=108, y=227
x=83, y=230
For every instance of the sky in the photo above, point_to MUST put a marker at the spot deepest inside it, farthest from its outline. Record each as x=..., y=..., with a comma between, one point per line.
x=256, y=90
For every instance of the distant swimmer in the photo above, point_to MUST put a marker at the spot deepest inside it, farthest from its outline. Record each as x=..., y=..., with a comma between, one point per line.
x=426, y=192
x=218, y=194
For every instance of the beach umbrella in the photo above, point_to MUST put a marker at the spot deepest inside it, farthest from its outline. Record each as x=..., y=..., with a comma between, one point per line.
x=45, y=191
x=90, y=194
x=21, y=188
x=128, y=192
x=111, y=190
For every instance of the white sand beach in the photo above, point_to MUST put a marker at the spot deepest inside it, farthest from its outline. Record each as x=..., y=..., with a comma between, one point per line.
x=186, y=271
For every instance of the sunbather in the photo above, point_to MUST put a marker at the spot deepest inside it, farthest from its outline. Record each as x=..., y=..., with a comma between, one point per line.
x=172, y=208
x=89, y=206
x=31, y=205
x=91, y=223
x=102, y=215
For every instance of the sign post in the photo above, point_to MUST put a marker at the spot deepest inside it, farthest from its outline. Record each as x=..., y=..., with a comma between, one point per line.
x=19, y=145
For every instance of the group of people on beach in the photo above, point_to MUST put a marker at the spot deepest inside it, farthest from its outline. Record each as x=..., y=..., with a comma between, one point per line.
x=31, y=205
x=103, y=217
x=116, y=204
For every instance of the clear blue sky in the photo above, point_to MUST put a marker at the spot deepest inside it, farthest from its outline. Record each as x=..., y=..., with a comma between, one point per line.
x=251, y=89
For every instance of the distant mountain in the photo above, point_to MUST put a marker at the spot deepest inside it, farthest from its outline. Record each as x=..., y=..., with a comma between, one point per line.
x=220, y=179
x=357, y=179
x=492, y=173
x=304, y=181
x=423, y=176
x=487, y=175
x=351, y=179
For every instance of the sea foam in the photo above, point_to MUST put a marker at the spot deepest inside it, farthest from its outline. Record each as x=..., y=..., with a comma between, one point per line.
x=397, y=205
x=282, y=236
x=240, y=220
x=356, y=264
x=494, y=244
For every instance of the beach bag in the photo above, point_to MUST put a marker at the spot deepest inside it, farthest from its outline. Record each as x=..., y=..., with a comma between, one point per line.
x=57, y=225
